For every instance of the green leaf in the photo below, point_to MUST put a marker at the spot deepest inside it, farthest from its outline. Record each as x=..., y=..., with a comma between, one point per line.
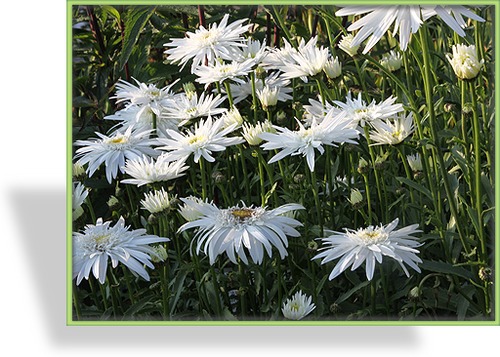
x=110, y=10
x=348, y=294
x=446, y=268
x=137, y=307
x=463, y=303
x=416, y=186
x=134, y=23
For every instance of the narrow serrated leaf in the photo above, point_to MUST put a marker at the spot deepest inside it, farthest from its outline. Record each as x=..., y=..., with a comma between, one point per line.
x=134, y=23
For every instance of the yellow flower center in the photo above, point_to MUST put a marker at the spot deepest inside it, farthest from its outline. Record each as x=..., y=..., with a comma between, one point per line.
x=242, y=213
x=396, y=134
x=295, y=307
x=372, y=236
x=118, y=140
x=153, y=93
x=102, y=239
x=196, y=139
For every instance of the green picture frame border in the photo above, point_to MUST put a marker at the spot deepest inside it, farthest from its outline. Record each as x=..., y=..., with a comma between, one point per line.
x=69, y=143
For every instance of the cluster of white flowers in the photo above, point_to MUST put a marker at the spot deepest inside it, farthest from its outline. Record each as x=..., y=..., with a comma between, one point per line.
x=159, y=130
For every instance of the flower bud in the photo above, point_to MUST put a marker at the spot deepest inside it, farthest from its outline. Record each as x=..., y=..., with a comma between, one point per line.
x=333, y=68
x=160, y=254
x=363, y=166
x=345, y=45
x=392, y=61
x=465, y=61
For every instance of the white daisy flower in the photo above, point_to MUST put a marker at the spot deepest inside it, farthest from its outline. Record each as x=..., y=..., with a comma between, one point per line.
x=232, y=117
x=141, y=119
x=193, y=208
x=218, y=41
x=392, y=61
x=315, y=111
x=452, y=16
x=80, y=193
x=157, y=201
x=254, y=50
x=146, y=170
x=298, y=307
x=143, y=94
x=392, y=131
x=360, y=113
x=208, y=136
x=219, y=72
x=185, y=107
x=251, y=132
x=407, y=20
x=333, y=129
x=277, y=57
x=308, y=61
x=268, y=96
x=113, y=150
x=237, y=230
x=465, y=61
x=97, y=243
x=240, y=91
x=370, y=245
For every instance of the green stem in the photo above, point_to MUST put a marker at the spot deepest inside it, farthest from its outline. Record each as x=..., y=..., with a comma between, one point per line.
x=218, y=305
x=477, y=171
x=283, y=27
x=314, y=185
x=154, y=123
x=435, y=138
x=372, y=157
x=373, y=295
x=104, y=297
x=165, y=293
x=368, y=199
x=363, y=82
x=115, y=301
x=127, y=274
x=76, y=302
x=204, y=194
x=243, y=288
x=321, y=92
x=229, y=95
x=407, y=170
x=261, y=180
x=245, y=173
x=254, y=97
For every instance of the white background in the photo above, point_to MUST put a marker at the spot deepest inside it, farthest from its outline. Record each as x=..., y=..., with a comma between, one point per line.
x=33, y=266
